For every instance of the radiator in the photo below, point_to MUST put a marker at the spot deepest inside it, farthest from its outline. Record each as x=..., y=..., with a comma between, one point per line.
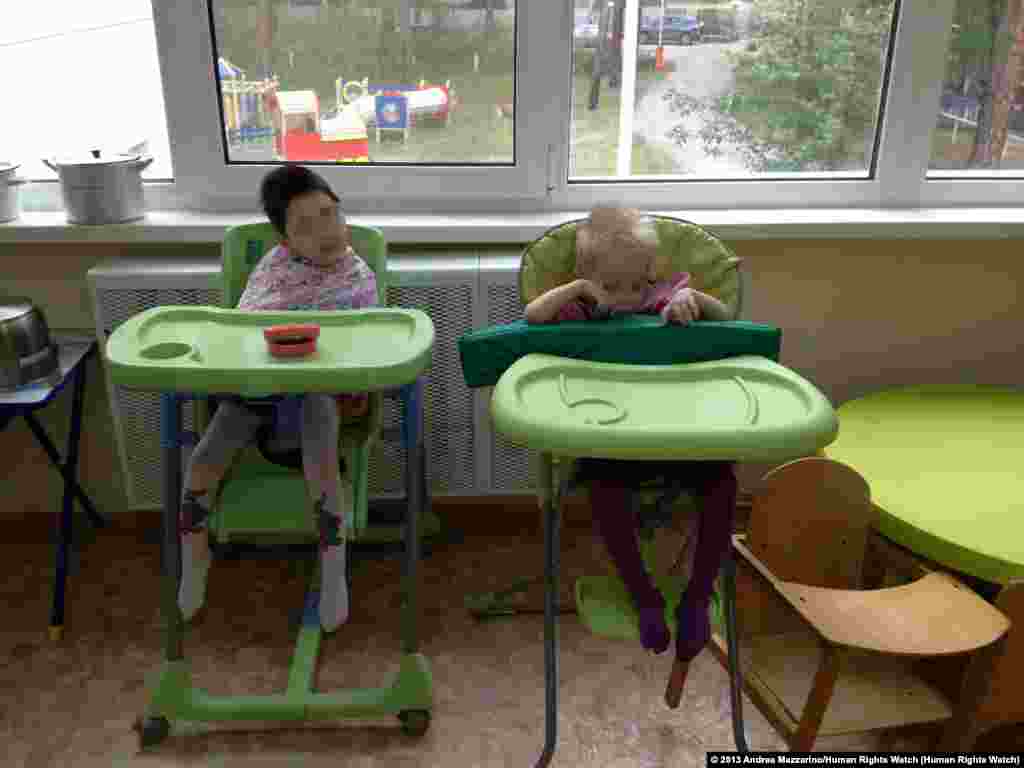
x=459, y=293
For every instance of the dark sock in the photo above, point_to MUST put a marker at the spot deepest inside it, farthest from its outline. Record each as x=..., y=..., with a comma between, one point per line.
x=616, y=523
x=717, y=488
x=195, y=508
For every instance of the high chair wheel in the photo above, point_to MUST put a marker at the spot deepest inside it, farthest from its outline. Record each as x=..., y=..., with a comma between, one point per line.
x=414, y=721
x=151, y=730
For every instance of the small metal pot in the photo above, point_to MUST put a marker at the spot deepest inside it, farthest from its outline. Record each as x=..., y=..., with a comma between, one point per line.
x=27, y=354
x=9, y=208
x=102, y=190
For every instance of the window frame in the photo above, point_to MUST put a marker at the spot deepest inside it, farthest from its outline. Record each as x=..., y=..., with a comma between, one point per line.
x=539, y=180
x=205, y=181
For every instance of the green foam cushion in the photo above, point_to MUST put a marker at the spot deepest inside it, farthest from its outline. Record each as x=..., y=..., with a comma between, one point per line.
x=638, y=340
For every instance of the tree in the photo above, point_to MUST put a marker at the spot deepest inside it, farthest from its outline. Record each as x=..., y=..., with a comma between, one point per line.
x=985, y=61
x=806, y=91
x=1005, y=78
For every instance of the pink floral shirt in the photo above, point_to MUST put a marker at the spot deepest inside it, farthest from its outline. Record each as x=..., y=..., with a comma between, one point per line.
x=656, y=299
x=283, y=281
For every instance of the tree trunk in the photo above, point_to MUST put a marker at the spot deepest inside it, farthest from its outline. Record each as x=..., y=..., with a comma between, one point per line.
x=598, y=62
x=490, y=22
x=613, y=55
x=267, y=37
x=1005, y=76
x=981, y=154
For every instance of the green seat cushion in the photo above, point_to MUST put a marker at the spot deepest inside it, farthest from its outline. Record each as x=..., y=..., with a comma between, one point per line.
x=550, y=261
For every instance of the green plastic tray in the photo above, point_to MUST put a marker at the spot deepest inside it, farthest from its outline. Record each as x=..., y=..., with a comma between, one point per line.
x=214, y=350
x=742, y=409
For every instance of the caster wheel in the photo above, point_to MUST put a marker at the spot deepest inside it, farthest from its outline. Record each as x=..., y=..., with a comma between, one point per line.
x=414, y=721
x=151, y=730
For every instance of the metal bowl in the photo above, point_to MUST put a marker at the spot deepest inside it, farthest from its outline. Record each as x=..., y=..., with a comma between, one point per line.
x=27, y=354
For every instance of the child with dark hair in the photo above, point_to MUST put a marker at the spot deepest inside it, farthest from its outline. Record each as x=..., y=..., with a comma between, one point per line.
x=313, y=268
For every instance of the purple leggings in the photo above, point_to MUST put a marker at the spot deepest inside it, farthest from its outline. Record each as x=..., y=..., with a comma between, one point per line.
x=714, y=482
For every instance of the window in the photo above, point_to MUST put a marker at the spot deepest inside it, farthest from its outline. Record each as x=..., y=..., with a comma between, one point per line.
x=980, y=125
x=497, y=105
x=411, y=100
x=377, y=83
x=80, y=76
x=730, y=90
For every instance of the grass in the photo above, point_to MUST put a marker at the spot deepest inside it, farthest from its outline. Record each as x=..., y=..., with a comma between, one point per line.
x=596, y=133
x=949, y=156
x=595, y=136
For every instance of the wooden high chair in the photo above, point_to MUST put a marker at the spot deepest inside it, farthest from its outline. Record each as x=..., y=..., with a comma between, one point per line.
x=804, y=616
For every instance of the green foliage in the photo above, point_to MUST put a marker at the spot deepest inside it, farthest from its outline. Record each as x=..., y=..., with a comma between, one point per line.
x=806, y=92
x=976, y=43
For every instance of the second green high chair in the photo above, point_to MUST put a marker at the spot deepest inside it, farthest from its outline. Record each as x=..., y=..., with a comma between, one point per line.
x=633, y=388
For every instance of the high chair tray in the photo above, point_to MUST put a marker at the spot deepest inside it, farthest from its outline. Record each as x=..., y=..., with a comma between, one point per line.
x=742, y=409
x=214, y=350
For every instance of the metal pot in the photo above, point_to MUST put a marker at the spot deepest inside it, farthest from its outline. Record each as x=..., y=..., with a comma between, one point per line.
x=102, y=190
x=9, y=209
x=27, y=355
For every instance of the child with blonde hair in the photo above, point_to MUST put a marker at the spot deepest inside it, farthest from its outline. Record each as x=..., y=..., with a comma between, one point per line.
x=616, y=271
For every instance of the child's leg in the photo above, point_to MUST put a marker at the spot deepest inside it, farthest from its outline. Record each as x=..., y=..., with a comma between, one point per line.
x=231, y=428
x=320, y=467
x=715, y=483
x=616, y=522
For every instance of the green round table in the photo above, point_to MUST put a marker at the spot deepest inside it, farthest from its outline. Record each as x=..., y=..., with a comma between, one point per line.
x=946, y=468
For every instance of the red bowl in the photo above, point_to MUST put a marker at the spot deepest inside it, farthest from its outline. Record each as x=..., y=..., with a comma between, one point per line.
x=293, y=340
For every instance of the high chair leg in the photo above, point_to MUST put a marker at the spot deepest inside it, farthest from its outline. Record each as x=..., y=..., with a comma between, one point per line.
x=170, y=550
x=676, y=683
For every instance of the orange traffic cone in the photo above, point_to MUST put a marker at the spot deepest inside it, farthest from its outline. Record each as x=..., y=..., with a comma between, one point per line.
x=659, y=59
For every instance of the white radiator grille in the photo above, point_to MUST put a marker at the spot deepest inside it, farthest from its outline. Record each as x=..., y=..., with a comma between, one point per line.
x=512, y=469
x=448, y=409
x=119, y=305
x=137, y=412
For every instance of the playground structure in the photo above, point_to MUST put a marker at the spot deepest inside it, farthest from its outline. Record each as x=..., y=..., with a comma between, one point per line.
x=247, y=113
x=300, y=135
x=257, y=111
x=424, y=100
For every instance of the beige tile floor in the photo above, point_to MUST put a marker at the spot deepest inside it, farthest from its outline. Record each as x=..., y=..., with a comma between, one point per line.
x=72, y=703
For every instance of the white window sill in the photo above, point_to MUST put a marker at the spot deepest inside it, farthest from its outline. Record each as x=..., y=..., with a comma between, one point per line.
x=192, y=227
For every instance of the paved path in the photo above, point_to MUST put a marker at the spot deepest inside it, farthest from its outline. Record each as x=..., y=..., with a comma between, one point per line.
x=703, y=72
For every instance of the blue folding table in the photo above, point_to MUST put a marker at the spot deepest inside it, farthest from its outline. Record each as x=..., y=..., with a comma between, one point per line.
x=25, y=401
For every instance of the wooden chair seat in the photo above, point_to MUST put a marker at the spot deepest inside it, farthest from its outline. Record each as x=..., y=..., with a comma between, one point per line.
x=933, y=616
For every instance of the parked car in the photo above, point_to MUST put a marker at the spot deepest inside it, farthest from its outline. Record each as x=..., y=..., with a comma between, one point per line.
x=682, y=30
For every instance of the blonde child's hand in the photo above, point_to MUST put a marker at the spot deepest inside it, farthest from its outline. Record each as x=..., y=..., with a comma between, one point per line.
x=684, y=307
x=591, y=292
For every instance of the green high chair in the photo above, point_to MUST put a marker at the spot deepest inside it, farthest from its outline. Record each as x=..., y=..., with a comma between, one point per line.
x=602, y=602
x=263, y=503
x=633, y=388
